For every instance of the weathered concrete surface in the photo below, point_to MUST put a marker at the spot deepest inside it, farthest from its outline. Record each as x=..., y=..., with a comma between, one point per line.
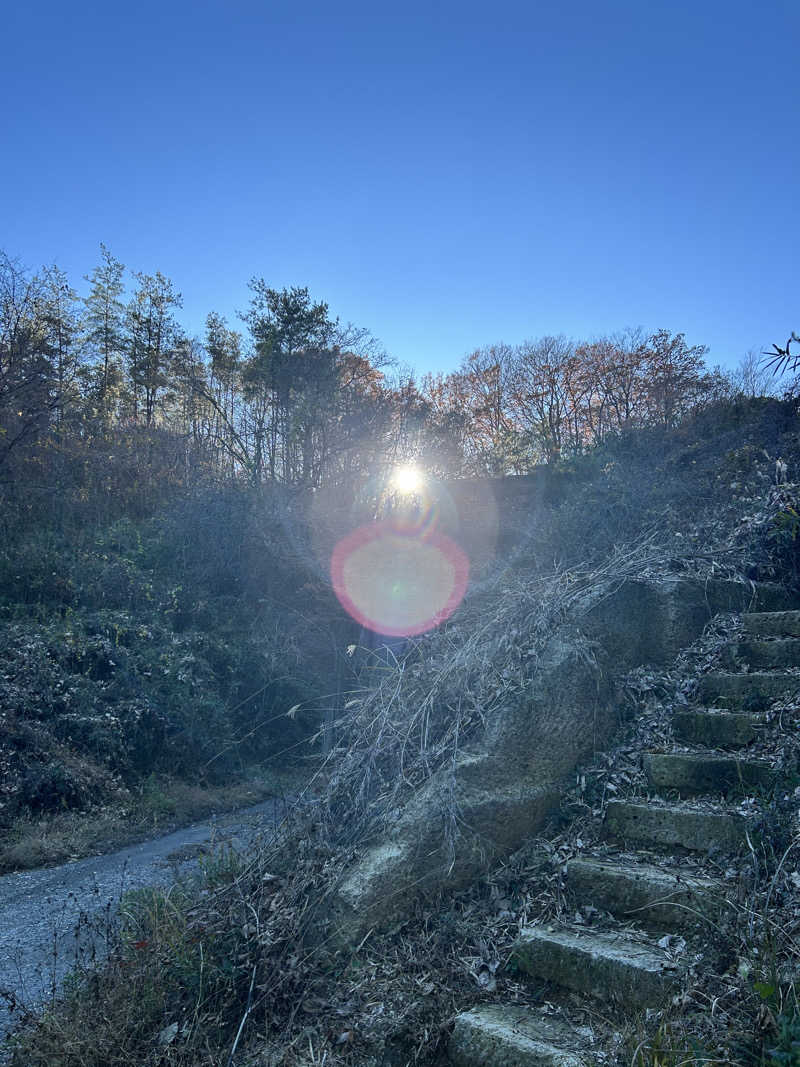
x=504, y=788
x=755, y=691
x=502, y=793
x=649, y=895
x=514, y=1037
x=772, y=623
x=716, y=729
x=781, y=652
x=690, y=828
x=692, y=774
x=650, y=622
x=608, y=966
x=377, y=891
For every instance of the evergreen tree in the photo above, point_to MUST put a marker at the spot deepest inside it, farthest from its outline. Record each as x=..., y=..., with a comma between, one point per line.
x=61, y=318
x=105, y=331
x=152, y=335
x=283, y=324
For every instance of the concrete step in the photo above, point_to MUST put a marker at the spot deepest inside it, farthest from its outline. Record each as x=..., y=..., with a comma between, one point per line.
x=778, y=654
x=692, y=774
x=514, y=1036
x=676, y=824
x=769, y=598
x=772, y=623
x=609, y=966
x=753, y=692
x=670, y=899
x=716, y=729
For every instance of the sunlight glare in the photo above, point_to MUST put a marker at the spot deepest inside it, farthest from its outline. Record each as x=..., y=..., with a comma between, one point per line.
x=407, y=479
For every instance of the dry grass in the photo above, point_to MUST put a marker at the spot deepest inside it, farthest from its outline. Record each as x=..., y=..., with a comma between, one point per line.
x=418, y=711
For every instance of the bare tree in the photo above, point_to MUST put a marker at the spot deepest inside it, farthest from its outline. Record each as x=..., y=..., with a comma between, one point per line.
x=675, y=376
x=544, y=390
x=752, y=377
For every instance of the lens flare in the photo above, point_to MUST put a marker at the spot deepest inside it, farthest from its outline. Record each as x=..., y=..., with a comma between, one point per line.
x=397, y=581
x=407, y=479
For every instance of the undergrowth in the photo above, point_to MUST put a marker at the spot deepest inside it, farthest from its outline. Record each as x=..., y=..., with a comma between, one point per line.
x=171, y=646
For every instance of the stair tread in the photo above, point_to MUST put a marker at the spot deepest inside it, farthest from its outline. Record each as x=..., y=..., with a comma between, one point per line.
x=786, y=674
x=614, y=944
x=710, y=756
x=685, y=824
x=717, y=727
x=748, y=690
x=772, y=622
x=707, y=773
x=787, y=641
x=723, y=713
x=702, y=808
x=678, y=876
x=608, y=965
x=769, y=652
x=515, y=1036
x=670, y=898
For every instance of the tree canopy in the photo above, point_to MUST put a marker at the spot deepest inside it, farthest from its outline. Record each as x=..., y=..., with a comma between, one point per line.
x=108, y=388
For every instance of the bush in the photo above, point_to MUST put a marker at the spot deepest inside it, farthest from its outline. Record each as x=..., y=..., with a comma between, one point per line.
x=52, y=788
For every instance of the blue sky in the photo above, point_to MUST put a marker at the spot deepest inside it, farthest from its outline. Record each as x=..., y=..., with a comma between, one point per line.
x=447, y=174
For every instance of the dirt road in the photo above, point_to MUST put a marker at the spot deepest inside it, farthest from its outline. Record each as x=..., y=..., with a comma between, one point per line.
x=51, y=918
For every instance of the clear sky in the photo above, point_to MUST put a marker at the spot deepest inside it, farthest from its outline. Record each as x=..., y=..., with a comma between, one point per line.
x=448, y=174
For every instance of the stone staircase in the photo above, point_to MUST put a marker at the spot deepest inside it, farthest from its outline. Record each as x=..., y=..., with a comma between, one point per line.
x=655, y=911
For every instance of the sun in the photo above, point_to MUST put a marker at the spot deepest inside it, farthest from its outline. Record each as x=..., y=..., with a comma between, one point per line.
x=407, y=479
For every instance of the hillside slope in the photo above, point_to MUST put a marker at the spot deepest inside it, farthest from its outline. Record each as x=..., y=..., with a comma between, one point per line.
x=246, y=962
x=146, y=663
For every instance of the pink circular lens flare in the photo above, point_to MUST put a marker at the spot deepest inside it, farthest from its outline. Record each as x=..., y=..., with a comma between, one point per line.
x=397, y=580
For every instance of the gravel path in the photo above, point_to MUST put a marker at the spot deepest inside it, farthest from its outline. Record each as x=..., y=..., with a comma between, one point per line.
x=51, y=918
